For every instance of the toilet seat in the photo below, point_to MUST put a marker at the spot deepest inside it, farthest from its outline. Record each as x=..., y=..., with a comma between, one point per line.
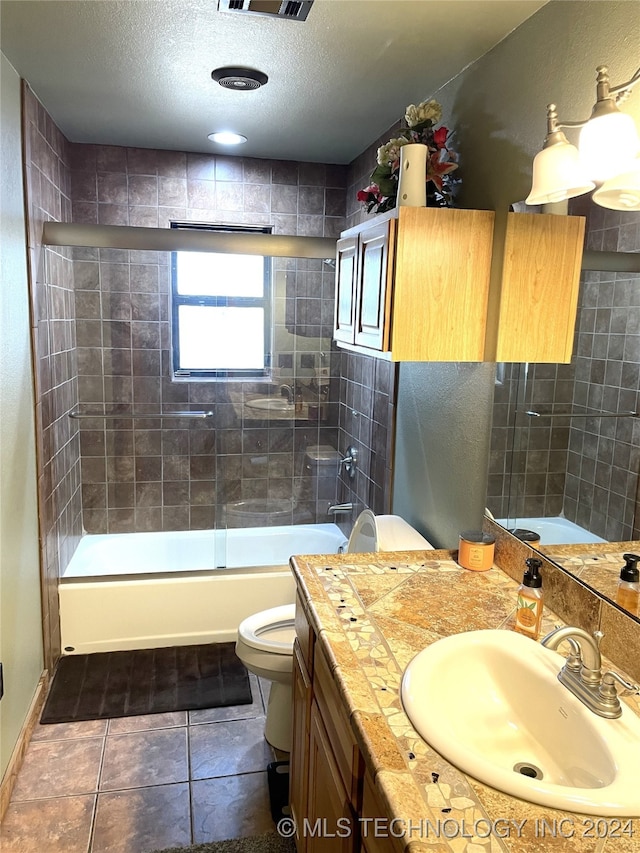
x=271, y=631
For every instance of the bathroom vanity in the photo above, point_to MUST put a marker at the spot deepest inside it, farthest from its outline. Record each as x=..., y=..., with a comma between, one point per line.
x=362, y=779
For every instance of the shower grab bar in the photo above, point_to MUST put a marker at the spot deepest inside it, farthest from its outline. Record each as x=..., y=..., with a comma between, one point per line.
x=532, y=414
x=124, y=415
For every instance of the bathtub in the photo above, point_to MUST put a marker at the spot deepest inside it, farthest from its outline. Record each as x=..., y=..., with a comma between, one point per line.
x=147, y=590
x=553, y=530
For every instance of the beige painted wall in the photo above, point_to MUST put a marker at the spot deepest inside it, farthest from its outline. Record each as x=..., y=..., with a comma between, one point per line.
x=498, y=109
x=20, y=614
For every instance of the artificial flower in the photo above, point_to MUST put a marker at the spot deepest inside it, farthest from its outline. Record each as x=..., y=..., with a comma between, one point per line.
x=427, y=111
x=442, y=161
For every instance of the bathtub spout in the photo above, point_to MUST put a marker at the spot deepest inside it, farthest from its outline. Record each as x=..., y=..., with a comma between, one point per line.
x=334, y=509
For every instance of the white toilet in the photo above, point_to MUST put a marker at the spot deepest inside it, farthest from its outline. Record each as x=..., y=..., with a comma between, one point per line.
x=265, y=640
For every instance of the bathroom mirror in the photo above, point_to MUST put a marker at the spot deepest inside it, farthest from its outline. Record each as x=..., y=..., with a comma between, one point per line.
x=565, y=444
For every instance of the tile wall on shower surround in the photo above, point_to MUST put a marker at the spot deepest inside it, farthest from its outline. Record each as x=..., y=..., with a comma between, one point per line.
x=176, y=474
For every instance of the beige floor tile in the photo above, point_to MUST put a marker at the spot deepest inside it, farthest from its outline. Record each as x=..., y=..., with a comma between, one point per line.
x=58, y=825
x=222, y=749
x=142, y=819
x=232, y=712
x=145, y=722
x=140, y=759
x=62, y=731
x=59, y=768
x=230, y=807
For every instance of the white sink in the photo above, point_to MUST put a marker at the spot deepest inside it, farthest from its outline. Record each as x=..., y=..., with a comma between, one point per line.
x=275, y=405
x=490, y=703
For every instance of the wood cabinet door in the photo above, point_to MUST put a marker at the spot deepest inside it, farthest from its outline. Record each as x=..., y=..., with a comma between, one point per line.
x=299, y=758
x=330, y=826
x=374, y=286
x=346, y=277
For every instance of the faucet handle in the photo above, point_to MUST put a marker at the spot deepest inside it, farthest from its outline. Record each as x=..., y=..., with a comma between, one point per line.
x=608, y=688
x=598, y=636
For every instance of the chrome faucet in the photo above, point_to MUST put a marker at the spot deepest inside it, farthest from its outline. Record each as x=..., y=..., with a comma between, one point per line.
x=287, y=391
x=334, y=509
x=582, y=673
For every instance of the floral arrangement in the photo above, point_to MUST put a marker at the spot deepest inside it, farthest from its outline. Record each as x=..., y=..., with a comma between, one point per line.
x=442, y=161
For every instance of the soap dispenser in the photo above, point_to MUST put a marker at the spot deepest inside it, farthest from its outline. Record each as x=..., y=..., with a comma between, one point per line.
x=530, y=599
x=628, y=593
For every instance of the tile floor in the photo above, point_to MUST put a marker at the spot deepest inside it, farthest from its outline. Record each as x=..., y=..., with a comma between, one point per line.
x=137, y=784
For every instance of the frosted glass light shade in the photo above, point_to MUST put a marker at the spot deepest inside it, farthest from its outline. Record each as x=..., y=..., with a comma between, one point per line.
x=557, y=175
x=608, y=145
x=227, y=137
x=622, y=192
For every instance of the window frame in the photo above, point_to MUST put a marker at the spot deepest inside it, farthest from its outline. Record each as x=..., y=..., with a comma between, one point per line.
x=264, y=302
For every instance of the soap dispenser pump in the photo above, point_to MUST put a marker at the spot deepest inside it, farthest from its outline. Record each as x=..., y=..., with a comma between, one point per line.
x=628, y=593
x=530, y=599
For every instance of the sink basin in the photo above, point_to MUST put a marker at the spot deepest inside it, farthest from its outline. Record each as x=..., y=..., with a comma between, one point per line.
x=275, y=405
x=491, y=704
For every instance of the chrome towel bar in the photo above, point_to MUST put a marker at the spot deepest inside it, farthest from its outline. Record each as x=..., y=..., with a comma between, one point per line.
x=532, y=414
x=143, y=415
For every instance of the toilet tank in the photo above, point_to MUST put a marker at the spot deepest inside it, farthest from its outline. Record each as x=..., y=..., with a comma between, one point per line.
x=373, y=533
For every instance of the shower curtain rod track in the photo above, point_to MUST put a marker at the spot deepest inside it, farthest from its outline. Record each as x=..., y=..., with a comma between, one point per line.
x=142, y=415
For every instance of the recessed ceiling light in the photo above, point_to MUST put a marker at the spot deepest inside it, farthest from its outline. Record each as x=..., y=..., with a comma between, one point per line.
x=227, y=137
x=239, y=78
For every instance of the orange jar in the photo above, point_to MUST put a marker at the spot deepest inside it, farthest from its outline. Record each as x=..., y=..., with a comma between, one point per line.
x=475, y=551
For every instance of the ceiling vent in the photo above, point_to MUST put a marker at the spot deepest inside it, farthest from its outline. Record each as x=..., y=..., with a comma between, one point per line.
x=293, y=10
x=239, y=79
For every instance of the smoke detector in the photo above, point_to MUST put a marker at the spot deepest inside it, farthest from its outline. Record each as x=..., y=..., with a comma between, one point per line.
x=240, y=79
x=293, y=10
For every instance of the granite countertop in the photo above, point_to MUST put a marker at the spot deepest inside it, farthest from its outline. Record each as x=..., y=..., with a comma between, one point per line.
x=372, y=618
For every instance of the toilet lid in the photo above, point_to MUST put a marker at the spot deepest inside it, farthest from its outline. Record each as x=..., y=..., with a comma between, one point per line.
x=270, y=630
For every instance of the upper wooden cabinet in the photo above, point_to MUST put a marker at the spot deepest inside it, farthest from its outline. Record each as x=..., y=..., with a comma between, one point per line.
x=415, y=284
x=540, y=284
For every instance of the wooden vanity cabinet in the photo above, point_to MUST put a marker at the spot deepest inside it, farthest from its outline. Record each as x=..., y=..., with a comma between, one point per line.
x=327, y=775
x=413, y=284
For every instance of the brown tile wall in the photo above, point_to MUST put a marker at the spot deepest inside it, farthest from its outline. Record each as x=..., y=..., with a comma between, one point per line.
x=366, y=421
x=178, y=474
x=587, y=468
x=604, y=453
x=528, y=457
x=55, y=369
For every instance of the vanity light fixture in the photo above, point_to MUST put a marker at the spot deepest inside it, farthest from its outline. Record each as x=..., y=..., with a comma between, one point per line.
x=608, y=153
x=227, y=137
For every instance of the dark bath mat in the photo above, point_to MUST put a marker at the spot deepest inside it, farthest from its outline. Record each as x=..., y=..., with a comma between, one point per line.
x=146, y=681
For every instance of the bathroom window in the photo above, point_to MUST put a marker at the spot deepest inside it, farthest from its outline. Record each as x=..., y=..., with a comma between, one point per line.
x=221, y=311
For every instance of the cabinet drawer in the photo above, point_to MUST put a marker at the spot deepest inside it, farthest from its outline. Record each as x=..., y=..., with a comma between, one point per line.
x=305, y=635
x=337, y=723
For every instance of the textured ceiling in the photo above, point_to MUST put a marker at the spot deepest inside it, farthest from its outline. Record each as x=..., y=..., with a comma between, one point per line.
x=138, y=73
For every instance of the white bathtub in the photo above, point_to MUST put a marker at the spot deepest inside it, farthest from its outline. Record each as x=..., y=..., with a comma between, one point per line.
x=146, y=590
x=552, y=530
